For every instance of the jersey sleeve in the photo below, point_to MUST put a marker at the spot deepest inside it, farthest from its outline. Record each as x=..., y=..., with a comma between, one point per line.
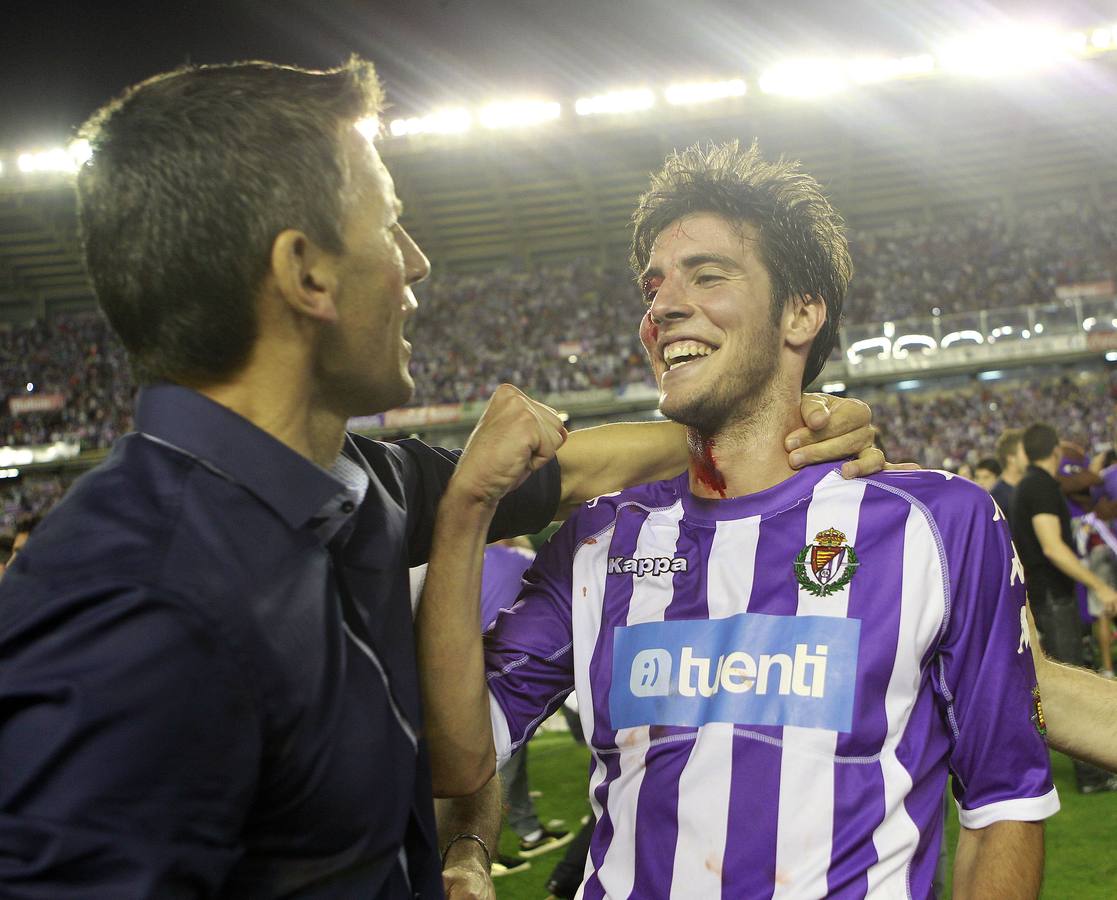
x=529, y=658
x=984, y=676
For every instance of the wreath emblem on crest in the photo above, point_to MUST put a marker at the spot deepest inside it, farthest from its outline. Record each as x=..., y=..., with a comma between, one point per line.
x=826, y=565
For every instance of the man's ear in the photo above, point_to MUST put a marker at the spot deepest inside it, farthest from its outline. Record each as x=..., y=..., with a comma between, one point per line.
x=305, y=275
x=804, y=316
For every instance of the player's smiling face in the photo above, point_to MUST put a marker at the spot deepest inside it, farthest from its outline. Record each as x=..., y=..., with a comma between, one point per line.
x=708, y=331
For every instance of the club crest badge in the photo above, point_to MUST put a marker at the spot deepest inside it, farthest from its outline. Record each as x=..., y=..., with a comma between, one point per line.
x=827, y=565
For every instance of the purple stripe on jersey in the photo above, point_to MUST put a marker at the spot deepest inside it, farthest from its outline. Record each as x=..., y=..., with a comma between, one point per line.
x=874, y=598
x=659, y=804
x=603, y=831
x=750, y=851
x=664, y=764
x=923, y=749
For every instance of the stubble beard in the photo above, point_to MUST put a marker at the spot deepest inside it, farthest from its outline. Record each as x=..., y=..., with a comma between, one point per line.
x=729, y=401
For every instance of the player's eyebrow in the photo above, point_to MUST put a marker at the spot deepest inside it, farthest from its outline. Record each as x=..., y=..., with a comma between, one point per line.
x=693, y=262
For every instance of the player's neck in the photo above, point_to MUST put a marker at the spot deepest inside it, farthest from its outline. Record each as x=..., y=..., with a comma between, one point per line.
x=747, y=455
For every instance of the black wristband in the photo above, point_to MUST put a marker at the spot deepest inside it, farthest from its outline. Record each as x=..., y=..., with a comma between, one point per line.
x=468, y=835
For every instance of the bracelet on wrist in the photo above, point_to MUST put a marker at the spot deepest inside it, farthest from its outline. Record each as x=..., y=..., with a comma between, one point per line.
x=468, y=836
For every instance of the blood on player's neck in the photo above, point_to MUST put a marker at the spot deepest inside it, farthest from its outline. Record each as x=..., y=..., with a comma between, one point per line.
x=704, y=463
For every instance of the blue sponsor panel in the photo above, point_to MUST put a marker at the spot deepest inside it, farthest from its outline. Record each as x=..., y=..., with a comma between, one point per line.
x=748, y=669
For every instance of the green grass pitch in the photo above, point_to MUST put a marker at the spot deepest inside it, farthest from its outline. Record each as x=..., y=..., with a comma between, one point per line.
x=1081, y=839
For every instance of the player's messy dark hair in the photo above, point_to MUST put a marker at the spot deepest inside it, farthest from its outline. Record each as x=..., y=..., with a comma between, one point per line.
x=802, y=238
x=193, y=173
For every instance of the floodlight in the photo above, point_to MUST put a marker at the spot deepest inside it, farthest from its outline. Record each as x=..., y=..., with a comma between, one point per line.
x=369, y=128
x=955, y=336
x=834, y=387
x=1009, y=50
x=804, y=78
x=872, y=70
x=858, y=347
x=519, y=113
x=1088, y=323
x=615, y=102
x=704, y=92
x=1101, y=38
x=909, y=385
x=1039, y=328
x=453, y=120
x=901, y=344
x=1111, y=356
x=64, y=160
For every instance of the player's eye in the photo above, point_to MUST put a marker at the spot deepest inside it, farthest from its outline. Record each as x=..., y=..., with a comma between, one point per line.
x=708, y=279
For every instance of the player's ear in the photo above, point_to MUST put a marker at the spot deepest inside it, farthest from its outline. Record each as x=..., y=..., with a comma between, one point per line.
x=305, y=275
x=803, y=318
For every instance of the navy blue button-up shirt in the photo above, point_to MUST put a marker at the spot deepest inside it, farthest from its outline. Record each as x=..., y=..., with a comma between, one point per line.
x=208, y=683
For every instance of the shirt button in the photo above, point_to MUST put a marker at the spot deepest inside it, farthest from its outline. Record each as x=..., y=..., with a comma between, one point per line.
x=348, y=506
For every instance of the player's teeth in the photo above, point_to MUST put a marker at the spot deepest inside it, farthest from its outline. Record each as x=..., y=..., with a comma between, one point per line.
x=686, y=348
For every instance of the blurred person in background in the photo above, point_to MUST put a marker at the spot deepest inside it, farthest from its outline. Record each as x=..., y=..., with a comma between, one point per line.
x=1014, y=462
x=1052, y=569
x=986, y=473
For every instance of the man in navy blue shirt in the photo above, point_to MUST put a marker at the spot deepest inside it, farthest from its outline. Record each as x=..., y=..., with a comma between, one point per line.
x=210, y=684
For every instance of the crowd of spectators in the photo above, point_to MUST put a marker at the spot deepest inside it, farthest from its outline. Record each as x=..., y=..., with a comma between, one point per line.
x=942, y=429
x=573, y=327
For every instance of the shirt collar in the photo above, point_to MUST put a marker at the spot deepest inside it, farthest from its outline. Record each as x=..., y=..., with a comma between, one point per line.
x=289, y=483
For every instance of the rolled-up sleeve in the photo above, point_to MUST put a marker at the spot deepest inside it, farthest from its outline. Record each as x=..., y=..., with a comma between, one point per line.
x=130, y=743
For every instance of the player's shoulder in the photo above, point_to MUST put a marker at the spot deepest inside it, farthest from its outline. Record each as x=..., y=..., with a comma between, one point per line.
x=598, y=513
x=939, y=493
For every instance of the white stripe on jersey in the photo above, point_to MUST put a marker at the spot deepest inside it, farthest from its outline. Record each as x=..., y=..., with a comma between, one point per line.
x=704, y=785
x=804, y=842
x=922, y=607
x=658, y=537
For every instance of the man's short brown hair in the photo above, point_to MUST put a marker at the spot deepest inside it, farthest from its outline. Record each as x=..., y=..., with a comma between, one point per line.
x=193, y=173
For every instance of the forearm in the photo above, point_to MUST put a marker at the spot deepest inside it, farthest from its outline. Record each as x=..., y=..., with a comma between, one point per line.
x=478, y=813
x=609, y=458
x=1080, y=709
x=451, y=661
x=1003, y=860
x=1064, y=559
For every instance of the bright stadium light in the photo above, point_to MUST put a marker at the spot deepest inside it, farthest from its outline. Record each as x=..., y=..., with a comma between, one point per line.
x=369, y=128
x=857, y=348
x=519, y=113
x=1005, y=51
x=1088, y=323
x=64, y=160
x=872, y=70
x=903, y=342
x=833, y=387
x=1101, y=38
x=955, y=336
x=1111, y=356
x=454, y=120
x=615, y=102
x=704, y=92
x=804, y=78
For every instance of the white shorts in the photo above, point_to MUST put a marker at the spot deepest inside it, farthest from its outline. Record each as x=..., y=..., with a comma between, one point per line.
x=1102, y=563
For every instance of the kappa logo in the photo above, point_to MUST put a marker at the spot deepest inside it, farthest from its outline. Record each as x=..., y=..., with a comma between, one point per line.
x=648, y=565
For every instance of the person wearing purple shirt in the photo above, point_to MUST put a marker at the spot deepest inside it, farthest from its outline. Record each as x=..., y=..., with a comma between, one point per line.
x=777, y=669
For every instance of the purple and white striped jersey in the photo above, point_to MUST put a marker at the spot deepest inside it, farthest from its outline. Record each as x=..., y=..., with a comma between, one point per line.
x=774, y=686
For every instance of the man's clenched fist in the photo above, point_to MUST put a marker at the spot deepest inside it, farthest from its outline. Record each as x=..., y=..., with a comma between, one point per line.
x=514, y=437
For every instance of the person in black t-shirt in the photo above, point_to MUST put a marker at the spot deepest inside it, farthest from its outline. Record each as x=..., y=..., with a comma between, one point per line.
x=1042, y=533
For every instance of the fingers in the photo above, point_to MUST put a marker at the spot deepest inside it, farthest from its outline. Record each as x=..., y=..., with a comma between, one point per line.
x=514, y=437
x=839, y=447
x=829, y=417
